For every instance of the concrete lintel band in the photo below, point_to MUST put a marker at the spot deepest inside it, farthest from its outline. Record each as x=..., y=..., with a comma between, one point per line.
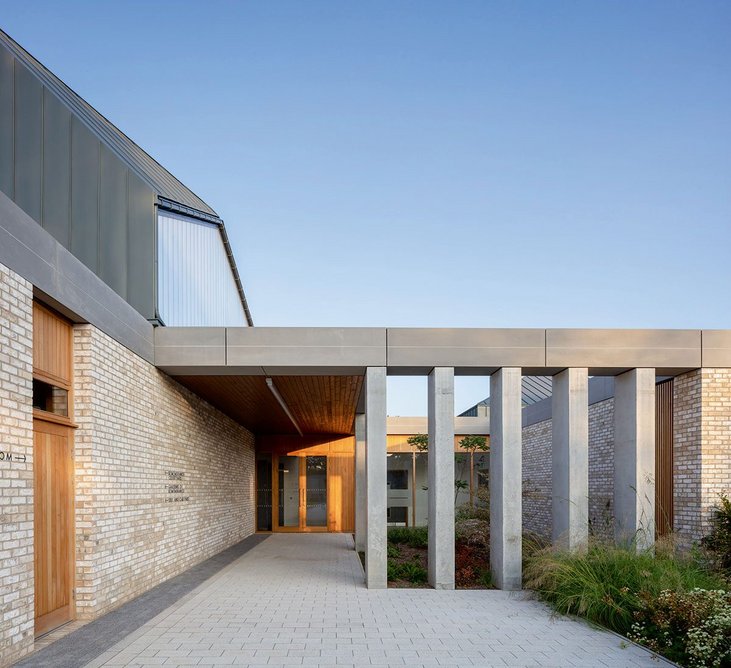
x=360, y=483
x=634, y=458
x=376, y=494
x=441, y=478
x=506, y=482
x=570, y=453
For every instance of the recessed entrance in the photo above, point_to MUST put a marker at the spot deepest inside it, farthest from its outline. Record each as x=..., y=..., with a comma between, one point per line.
x=305, y=484
x=53, y=470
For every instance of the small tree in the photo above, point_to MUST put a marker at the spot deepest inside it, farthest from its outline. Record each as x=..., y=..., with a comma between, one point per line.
x=472, y=443
x=419, y=441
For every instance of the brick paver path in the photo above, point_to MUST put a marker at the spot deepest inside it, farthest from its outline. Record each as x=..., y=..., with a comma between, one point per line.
x=299, y=599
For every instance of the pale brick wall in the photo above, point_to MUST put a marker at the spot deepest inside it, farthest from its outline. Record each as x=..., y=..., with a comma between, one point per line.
x=537, y=472
x=702, y=448
x=601, y=468
x=16, y=475
x=716, y=439
x=687, y=454
x=135, y=425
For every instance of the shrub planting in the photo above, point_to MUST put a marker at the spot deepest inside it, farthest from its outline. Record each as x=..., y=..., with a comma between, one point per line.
x=608, y=584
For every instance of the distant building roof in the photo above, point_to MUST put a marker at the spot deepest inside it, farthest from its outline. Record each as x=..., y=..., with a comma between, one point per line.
x=534, y=389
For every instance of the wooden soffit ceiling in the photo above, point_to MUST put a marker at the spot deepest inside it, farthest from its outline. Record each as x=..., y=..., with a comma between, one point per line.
x=319, y=404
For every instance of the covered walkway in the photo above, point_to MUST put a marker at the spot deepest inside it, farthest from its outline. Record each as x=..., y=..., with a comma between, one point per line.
x=299, y=599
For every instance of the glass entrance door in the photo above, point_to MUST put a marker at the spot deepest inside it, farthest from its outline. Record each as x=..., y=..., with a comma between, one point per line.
x=290, y=495
x=301, y=492
x=316, y=492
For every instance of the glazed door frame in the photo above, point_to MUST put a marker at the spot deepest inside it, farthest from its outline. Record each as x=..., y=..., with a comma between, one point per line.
x=302, y=497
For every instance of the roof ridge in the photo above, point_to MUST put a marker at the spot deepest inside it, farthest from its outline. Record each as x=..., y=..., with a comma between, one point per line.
x=132, y=154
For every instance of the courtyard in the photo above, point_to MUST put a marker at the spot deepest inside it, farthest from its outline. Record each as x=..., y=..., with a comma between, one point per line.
x=299, y=599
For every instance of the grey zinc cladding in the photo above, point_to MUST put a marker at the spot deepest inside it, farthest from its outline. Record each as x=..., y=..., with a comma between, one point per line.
x=158, y=178
x=85, y=182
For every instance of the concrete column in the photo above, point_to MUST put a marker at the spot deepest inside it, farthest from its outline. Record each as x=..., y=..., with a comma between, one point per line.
x=634, y=458
x=570, y=411
x=376, y=494
x=441, y=478
x=506, y=479
x=360, y=483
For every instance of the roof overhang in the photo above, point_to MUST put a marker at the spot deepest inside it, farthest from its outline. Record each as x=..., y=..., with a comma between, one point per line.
x=406, y=351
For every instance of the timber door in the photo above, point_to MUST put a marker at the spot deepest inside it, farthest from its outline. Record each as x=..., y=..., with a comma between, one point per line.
x=54, y=525
x=53, y=471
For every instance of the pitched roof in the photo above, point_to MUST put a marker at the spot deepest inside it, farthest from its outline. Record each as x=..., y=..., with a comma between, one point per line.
x=533, y=390
x=147, y=168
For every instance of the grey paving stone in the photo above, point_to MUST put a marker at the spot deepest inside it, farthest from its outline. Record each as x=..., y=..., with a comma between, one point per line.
x=299, y=599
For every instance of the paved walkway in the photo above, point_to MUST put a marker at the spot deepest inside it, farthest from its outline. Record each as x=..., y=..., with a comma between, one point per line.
x=298, y=599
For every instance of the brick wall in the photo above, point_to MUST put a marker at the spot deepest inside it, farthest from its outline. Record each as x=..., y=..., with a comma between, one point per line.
x=163, y=480
x=537, y=472
x=702, y=448
x=601, y=468
x=16, y=475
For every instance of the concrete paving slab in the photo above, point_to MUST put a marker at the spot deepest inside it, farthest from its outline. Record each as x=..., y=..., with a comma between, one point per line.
x=300, y=599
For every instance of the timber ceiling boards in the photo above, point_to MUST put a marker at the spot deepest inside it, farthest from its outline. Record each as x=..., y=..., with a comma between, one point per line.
x=320, y=404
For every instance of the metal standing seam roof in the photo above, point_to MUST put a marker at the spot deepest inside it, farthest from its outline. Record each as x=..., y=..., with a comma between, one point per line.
x=533, y=390
x=146, y=167
x=171, y=192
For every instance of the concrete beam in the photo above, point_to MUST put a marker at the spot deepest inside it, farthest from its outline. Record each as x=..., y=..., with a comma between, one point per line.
x=376, y=493
x=622, y=349
x=196, y=346
x=360, y=483
x=279, y=349
x=506, y=481
x=403, y=425
x=441, y=478
x=570, y=453
x=716, y=348
x=634, y=458
x=475, y=351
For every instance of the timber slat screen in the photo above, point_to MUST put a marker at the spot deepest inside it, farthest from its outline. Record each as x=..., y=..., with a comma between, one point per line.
x=664, y=458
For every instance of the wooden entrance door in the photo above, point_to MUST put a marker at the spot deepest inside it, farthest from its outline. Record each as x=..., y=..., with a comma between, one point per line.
x=54, y=525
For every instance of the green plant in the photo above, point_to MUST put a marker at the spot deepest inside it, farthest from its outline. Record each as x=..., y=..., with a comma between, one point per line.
x=486, y=579
x=459, y=485
x=719, y=540
x=411, y=536
x=480, y=510
x=393, y=551
x=472, y=443
x=406, y=570
x=691, y=628
x=607, y=583
x=419, y=441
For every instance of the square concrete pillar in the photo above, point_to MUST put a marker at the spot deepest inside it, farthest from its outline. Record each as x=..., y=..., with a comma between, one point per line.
x=634, y=458
x=441, y=478
x=506, y=479
x=360, y=483
x=376, y=493
x=570, y=448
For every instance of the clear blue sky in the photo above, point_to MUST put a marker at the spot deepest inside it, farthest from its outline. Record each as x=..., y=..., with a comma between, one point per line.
x=432, y=164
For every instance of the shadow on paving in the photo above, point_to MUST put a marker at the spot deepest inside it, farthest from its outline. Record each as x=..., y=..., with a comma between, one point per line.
x=90, y=641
